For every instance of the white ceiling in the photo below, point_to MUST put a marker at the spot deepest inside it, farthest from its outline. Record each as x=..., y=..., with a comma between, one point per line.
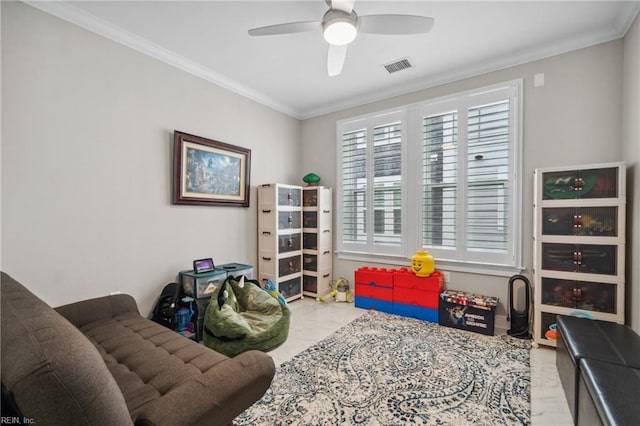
x=288, y=72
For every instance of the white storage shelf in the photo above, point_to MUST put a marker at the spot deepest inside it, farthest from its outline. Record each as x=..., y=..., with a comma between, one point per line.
x=317, y=240
x=280, y=237
x=579, y=253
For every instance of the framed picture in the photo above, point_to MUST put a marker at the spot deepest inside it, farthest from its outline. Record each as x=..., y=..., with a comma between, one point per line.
x=208, y=172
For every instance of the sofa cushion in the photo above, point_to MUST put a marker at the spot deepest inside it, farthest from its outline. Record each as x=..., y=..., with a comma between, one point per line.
x=167, y=379
x=52, y=370
x=146, y=359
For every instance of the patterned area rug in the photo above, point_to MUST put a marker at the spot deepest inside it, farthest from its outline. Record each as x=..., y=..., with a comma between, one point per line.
x=384, y=369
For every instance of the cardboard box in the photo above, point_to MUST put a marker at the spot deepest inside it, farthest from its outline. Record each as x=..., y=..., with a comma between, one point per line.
x=467, y=311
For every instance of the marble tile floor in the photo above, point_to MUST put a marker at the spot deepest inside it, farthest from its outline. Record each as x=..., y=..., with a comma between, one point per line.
x=312, y=321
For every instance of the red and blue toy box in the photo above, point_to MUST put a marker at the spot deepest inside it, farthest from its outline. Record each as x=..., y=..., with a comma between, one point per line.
x=375, y=283
x=419, y=291
x=398, y=291
x=374, y=289
x=414, y=311
x=375, y=304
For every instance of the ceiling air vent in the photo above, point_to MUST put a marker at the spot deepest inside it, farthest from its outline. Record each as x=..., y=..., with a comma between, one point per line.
x=398, y=65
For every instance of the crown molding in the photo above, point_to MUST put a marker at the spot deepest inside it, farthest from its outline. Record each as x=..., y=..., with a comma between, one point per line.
x=625, y=21
x=494, y=64
x=94, y=24
x=112, y=32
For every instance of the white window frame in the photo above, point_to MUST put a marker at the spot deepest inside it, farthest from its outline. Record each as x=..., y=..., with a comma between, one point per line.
x=369, y=123
x=411, y=117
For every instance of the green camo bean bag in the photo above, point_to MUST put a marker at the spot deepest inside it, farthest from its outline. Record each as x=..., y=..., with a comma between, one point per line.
x=242, y=316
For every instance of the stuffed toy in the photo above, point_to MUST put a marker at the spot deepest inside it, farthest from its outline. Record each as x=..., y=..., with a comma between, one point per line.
x=340, y=292
x=270, y=288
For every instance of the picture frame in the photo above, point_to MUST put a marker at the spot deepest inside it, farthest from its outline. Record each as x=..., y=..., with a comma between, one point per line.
x=209, y=172
x=203, y=265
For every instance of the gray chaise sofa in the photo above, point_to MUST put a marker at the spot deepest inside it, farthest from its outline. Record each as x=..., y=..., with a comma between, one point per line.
x=98, y=362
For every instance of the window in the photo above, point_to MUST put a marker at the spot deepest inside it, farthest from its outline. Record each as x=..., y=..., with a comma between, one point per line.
x=443, y=175
x=371, y=173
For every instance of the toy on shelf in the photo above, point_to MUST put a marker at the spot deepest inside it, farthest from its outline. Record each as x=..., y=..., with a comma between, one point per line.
x=340, y=293
x=311, y=179
x=551, y=333
x=422, y=264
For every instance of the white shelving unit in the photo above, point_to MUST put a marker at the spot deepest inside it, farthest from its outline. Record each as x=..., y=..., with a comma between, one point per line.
x=280, y=237
x=317, y=250
x=579, y=245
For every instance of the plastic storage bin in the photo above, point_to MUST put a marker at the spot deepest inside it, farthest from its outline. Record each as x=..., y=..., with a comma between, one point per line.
x=201, y=285
x=419, y=291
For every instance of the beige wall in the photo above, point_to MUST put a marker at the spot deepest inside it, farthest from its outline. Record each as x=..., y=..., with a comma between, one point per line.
x=86, y=156
x=575, y=118
x=631, y=154
x=86, y=163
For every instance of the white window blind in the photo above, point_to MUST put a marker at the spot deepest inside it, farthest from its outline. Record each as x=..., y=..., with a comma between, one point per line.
x=462, y=177
x=488, y=177
x=371, y=183
x=387, y=182
x=354, y=178
x=440, y=185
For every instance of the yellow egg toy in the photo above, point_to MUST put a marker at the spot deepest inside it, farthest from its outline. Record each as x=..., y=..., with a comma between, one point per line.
x=422, y=263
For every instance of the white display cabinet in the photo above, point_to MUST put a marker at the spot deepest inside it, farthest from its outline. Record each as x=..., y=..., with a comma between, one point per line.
x=317, y=253
x=579, y=245
x=280, y=237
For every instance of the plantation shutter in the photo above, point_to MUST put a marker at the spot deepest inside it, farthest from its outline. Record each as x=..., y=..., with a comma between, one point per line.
x=440, y=180
x=387, y=184
x=487, y=192
x=371, y=184
x=443, y=175
x=354, y=185
x=467, y=170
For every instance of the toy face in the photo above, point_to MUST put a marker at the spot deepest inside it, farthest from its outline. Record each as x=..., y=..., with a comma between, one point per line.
x=416, y=265
x=422, y=264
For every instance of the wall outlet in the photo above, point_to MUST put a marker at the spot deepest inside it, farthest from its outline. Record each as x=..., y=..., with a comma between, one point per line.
x=447, y=276
x=113, y=293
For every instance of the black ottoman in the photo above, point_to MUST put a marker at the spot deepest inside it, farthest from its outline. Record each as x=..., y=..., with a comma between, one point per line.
x=580, y=338
x=608, y=394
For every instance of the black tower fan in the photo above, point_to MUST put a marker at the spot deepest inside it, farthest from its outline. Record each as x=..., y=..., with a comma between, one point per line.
x=519, y=306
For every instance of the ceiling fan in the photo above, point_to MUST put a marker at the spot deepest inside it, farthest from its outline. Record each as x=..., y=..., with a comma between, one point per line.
x=341, y=24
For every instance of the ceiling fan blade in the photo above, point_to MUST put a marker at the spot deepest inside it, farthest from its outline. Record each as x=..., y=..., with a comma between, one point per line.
x=394, y=24
x=288, y=28
x=335, y=59
x=345, y=5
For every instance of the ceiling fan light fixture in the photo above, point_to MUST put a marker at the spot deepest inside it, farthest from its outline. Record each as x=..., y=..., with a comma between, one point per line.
x=339, y=28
